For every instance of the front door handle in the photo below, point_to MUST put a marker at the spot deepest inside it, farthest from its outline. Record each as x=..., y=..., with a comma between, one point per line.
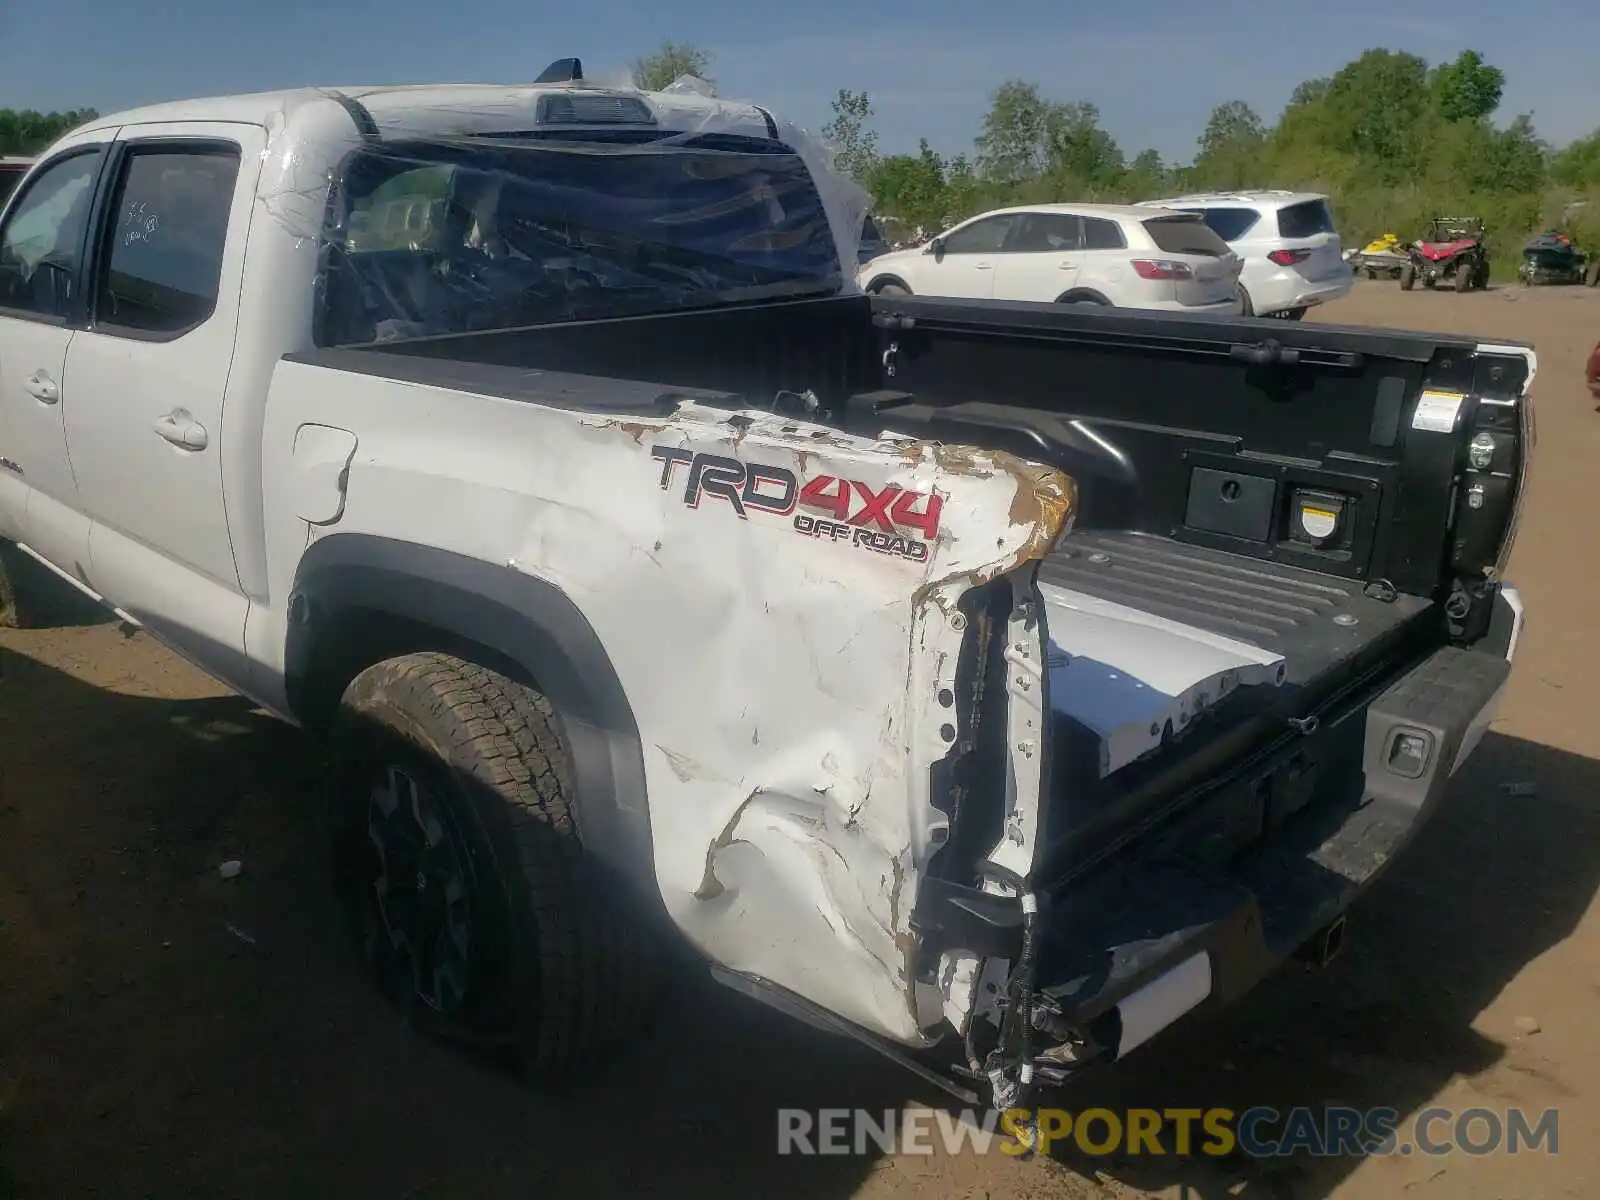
x=42, y=388
x=983, y=266
x=182, y=430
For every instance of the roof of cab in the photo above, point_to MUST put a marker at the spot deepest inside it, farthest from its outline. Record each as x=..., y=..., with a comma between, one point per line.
x=259, y=108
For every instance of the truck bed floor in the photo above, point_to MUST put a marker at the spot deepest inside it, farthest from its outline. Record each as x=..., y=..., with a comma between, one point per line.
x=1315, y=623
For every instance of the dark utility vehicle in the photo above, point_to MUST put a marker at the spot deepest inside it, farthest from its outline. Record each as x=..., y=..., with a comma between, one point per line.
x=1552, y=258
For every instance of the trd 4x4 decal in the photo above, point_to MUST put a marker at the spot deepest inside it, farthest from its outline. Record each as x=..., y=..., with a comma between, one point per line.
x=852, y=512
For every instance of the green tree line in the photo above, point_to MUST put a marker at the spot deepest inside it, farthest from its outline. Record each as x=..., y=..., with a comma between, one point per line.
x=25, y=132
x=1392, y=140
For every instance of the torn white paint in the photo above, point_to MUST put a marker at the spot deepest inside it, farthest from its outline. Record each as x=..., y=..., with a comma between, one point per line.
x=1135, y=678
x=1163, y=1000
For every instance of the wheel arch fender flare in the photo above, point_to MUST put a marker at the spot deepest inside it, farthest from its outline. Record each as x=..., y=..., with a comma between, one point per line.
x=391, y=597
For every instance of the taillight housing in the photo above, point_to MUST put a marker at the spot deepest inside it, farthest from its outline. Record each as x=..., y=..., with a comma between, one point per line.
x=1493, y=468
x=1288, y=258
x=1162, y=268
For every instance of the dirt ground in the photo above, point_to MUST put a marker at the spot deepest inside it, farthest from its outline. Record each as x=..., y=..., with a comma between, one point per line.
x=166, y=1032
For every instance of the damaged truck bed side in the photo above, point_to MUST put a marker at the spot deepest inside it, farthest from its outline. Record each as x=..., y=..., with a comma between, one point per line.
x=995, y=683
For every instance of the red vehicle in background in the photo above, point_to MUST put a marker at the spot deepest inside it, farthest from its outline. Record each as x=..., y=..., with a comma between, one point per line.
x=1452, y=252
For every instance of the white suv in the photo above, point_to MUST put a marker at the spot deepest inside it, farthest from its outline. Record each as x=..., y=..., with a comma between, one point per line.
x=1290, y=248
x=1103, y=254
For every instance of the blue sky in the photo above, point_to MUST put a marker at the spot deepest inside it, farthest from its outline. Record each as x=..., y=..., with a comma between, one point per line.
x=1155, y=74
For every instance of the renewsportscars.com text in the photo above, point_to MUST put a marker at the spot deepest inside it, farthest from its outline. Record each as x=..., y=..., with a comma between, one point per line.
x=1260, y=1132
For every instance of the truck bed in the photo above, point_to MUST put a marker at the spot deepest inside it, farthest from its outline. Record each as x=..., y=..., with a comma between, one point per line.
x=1314, y=624
x=1193, y=632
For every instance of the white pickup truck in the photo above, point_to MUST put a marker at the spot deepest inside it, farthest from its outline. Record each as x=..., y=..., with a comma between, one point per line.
x=995, y=683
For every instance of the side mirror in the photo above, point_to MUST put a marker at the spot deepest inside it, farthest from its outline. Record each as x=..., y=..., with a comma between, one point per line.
x=935, y=248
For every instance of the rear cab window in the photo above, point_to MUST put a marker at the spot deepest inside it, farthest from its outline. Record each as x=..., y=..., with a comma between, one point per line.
x=1306, y=219
x=1185, y=234
x=433, y=238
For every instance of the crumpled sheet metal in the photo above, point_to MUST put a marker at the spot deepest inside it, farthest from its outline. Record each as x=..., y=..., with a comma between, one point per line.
x=784, y=676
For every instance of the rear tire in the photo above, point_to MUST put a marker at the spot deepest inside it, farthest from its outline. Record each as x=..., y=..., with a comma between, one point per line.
x=1591, y=277
x=890, y=289
x=1408, y=277
x=1464, y=278
x=469, y=893
x=1246, y=308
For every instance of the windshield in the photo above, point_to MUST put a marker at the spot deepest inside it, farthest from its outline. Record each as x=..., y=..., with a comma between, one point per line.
x=461, y=237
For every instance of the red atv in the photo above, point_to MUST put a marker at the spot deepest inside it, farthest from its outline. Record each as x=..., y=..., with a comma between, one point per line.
x=1452, y=251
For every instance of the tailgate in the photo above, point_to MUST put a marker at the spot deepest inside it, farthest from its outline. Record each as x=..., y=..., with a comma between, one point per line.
x=1212, y=282
x=1324, y=258
x=1168, y=661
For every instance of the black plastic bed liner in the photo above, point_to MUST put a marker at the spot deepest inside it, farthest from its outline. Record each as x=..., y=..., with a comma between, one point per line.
x=1317, y=623
x=1284, y=610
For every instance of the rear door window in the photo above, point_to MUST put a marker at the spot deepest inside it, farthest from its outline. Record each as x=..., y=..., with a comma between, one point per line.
x=1048, y=233
x=164, y=261
x=1306, y=219
x=1101, y=234
x=1185, y=235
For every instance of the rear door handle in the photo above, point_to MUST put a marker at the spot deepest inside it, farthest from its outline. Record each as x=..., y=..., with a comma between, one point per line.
x=182, y=430
x=42, y=388
x=983, y=266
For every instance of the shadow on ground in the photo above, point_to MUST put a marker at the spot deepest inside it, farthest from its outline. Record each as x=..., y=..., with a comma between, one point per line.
x=167, y=1032
x=50, y=600
x=164, y=1031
